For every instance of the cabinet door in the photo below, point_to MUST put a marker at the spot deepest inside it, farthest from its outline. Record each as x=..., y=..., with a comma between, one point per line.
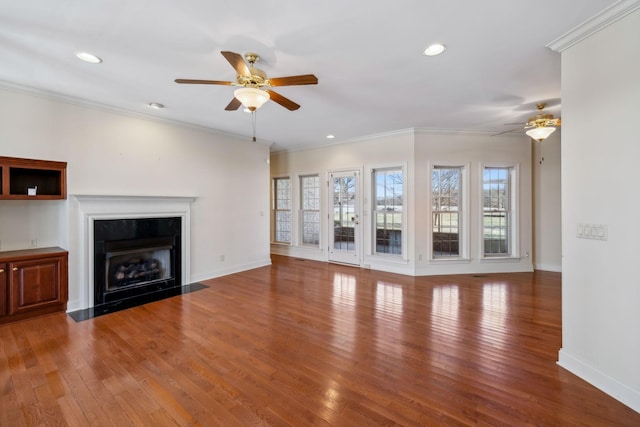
x=3, y=289
x=35, y=284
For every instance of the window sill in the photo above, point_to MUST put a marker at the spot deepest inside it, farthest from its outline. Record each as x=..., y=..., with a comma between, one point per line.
x=310, y=248
x=452, y=260
x=393, y=259
x=501, y=259
x=280, y=244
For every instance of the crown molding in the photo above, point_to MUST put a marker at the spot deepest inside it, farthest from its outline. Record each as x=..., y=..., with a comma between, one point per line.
x=591, y=26
x=79, y=102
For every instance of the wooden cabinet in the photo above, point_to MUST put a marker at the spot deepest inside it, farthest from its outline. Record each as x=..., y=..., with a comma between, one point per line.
x=34, y=282
x=3, y=289
x=27, y=179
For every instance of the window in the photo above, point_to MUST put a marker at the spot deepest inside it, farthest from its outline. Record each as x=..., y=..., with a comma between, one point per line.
x=282, y=209
x=310, y=209
x=387, y=210
x=446, y=211
x=497, y=211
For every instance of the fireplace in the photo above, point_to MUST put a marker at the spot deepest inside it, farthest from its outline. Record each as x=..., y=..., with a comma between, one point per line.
x=136, y=258
x=87, y=209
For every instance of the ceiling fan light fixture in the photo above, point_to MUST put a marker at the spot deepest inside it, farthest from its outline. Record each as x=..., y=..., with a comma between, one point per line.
x=540, y=133
x=251, y=97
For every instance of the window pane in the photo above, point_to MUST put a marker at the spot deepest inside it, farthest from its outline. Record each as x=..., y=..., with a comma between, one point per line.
x=283, y=193
x=283, y=226
x=388, y=196
x=446, y=209
x=311, y=228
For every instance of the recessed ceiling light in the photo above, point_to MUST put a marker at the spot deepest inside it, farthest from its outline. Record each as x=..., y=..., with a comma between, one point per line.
x=88, y=57
x=435, y=49
x=156, y=105
x=330, y=136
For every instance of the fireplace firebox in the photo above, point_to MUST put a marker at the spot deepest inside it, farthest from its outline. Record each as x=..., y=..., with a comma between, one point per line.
x=136, y=258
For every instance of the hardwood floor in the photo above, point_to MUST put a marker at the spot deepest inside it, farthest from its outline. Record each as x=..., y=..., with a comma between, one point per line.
x=306, y=343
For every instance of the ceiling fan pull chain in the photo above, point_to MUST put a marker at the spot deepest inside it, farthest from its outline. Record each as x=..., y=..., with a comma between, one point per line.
x=253, y=123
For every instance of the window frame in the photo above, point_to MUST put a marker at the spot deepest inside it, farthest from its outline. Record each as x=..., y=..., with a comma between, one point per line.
x=276, y=209
x=463, y=212
x=302, y=210
x=373, y=211
x=513, y=239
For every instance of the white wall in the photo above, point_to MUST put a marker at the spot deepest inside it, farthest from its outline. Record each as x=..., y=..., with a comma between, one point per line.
x=109, y=153
x=418, y=150
x=600, y=152
x=547, y=226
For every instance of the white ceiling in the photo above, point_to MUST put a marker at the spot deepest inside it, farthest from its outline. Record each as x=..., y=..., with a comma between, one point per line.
x=373, y=77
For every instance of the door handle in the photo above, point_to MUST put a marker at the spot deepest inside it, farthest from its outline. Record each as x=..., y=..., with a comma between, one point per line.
x=1, y=270
x=15, y=268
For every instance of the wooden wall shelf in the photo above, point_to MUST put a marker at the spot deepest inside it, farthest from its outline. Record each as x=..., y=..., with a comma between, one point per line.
x=29, y=179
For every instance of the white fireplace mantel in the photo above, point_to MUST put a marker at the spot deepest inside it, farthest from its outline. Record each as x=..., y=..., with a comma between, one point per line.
x=97, y=207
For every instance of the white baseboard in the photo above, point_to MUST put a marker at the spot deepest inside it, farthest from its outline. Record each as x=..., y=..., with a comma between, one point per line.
x=74, y=305
x=549, y=267
x=599, y=379
x=229, y=270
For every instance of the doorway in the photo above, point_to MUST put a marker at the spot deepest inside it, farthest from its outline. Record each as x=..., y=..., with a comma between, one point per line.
x=345, y=226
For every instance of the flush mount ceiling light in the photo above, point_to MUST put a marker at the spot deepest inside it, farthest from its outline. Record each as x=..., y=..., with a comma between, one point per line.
x=88, y=57
x=156, y=105
x=252, y=98
x=435, y=49
x=330, y=136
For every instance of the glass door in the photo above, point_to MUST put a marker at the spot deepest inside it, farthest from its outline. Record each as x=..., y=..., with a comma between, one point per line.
x=345, y=227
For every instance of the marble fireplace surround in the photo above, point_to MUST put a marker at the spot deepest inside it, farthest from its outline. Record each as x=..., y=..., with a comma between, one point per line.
x=98, y=207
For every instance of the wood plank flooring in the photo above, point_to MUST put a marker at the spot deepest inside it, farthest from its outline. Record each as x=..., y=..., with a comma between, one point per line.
x=306, y=343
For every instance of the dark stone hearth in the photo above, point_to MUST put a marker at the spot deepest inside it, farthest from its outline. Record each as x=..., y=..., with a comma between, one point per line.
x=90, y=313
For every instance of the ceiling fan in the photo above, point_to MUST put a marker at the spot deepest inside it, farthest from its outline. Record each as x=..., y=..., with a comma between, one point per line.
x=539, y=126
x=254, y=85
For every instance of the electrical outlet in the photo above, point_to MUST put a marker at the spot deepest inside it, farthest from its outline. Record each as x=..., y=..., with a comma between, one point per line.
x=221, y=257
x=33, y=243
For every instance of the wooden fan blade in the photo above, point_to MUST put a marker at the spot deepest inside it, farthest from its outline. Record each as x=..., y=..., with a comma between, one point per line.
x=233, y=105
x=285, y=102
x=237, y=62
x=305, y=79
x=204, y=82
